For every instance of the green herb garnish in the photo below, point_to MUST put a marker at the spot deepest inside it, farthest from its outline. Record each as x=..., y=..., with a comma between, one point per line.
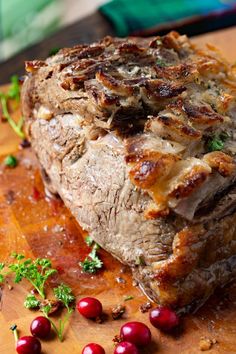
x=14, y=89
x=54, y=51
x=10, y=161
x=2, y=276
x=36, y=271
x=129, y=297
x=217, y=142
x=139, y=261
x=161, y=62
x=12, y=93
x=89, y=241
x=31, y=302
x=92, y=262
x=64, y=294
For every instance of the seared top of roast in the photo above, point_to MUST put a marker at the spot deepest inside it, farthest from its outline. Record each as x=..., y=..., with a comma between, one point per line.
x=171, y=105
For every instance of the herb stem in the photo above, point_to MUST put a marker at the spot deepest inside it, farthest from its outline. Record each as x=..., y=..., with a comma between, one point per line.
x=13, y=328
x=41, y=292
x=15, y=127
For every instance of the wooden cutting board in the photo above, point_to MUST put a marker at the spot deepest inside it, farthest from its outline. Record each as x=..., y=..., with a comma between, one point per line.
x=32, y=224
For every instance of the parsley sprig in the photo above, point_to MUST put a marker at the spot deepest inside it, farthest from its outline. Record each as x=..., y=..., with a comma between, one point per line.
x=13, y=93
x=31, y=302
x=92, y=262
x=217, y=142
x=64, y=294
x=35, y=271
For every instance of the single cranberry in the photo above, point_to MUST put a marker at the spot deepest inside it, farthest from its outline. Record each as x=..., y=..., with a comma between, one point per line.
x=89, y=307
x=136, y=332
x=40, y=327
x=28, y=345
x=163, y=318
x=126, y=348
x=93, y=348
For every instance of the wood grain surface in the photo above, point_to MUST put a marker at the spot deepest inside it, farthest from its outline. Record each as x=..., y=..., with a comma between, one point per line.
x=39, y=227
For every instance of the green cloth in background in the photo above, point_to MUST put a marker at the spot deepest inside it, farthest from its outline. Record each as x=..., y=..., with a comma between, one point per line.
x=24, y=22
x=128, y=16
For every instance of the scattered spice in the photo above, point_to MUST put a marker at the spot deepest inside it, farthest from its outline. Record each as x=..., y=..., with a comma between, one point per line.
x=120, y=280
x=145, y=307
x=118, y=311
x=117, y=339
x=10, y=161
x=54, y=305
x=24, y=144
x=10, y=287
x=10, y=197
x=206, y=343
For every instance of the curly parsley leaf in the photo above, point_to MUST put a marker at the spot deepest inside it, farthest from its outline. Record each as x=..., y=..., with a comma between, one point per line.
x=31, y=302
x=64, y=294
x=92, y=262
x=36, y=271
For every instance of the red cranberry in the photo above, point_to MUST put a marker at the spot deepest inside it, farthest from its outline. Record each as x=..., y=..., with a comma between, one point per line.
x=93, y=348
x=126, y=348
x=28, y=345
x=136, y=332
x=40, y=327
x=89, y=307
x=163, y=318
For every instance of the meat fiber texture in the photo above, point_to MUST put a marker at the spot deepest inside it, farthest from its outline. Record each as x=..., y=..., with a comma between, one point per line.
x=137, y=136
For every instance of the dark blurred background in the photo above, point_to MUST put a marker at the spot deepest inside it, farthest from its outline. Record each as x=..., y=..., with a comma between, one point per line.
x=37, y=28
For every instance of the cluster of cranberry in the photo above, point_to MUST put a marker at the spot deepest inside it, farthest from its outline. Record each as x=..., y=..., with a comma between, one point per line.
x=134, y=335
